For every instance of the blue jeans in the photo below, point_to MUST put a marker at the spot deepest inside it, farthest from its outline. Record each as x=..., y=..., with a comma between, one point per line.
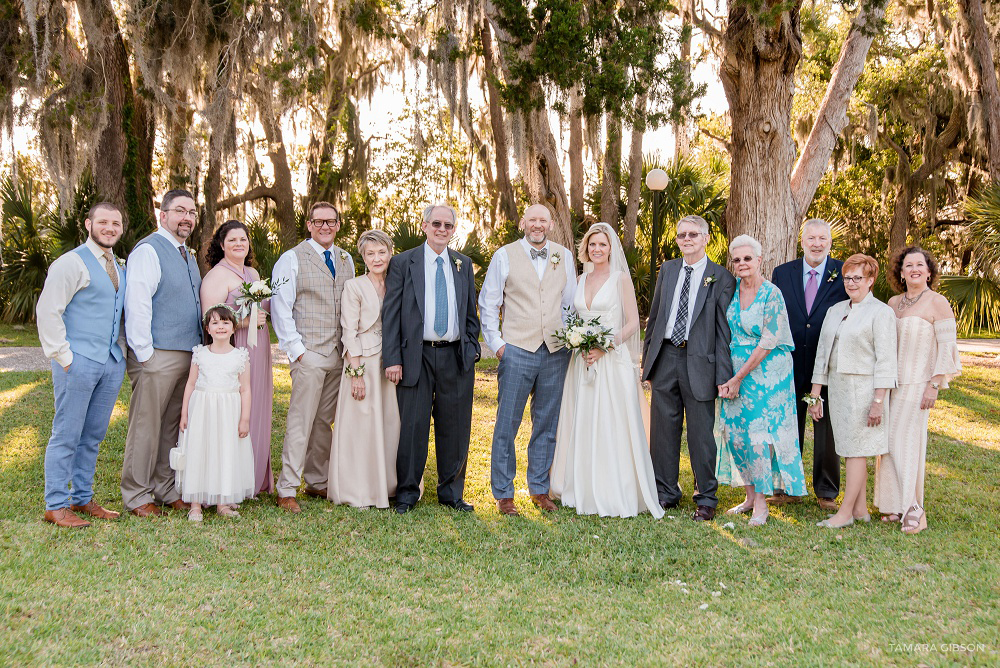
x=85, y=397
x=540, y=375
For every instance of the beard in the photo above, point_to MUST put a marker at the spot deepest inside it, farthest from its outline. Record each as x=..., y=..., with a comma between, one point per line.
x=100, y=242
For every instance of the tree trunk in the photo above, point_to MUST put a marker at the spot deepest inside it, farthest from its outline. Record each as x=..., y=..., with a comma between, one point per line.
x=758, y=75
x=507, y=203
x=544, y=178
x=611, y=185
x=576, y=195
x=122, y=163
x=831, y=118
x=179, y=121
x=213, y=184
x=283, y=194
x=984, y=79
x=634, y=175
x=682, y=140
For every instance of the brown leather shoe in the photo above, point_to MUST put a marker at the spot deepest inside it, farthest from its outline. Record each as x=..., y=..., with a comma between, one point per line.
x=64, y=517
x=781, y=499
x=826, y=503
x=93, y=509
x=179, y=505
x=544, y=502
x=148, y=510
x=507, y=507
x=315, y=493
x=289, y=503
x=704, y=514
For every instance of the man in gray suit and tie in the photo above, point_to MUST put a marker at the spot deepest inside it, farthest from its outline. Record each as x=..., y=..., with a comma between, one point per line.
x=686, y=359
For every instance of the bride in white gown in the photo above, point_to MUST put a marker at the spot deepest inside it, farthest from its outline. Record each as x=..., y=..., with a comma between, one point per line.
x=602, y=464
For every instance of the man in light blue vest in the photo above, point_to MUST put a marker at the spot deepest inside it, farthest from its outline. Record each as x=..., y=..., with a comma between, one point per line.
x=79, y=326
x=162, y=324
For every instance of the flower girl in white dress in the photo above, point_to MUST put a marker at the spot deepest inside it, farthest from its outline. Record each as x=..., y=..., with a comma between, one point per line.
x=214, y=459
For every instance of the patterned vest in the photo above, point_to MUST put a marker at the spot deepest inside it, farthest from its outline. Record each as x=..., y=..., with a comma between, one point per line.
x=93, y=317
x=316, y=310
x=176, y=323
x=532, y=308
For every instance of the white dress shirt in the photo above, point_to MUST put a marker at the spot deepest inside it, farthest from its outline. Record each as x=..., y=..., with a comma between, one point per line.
x=430, y=280
x=698, y=271
x=67, y=276
x=491, y=296
x=820, y=271
x=287, y=269
x=143, y=279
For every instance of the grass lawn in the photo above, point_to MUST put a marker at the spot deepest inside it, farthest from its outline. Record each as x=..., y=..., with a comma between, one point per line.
x=340, y=586
x=18, y=335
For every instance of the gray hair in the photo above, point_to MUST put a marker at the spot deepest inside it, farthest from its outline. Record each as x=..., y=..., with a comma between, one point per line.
x=374, y=237
x=429, y=211
x=815, y=222
x=700, y=222
x=745, y=240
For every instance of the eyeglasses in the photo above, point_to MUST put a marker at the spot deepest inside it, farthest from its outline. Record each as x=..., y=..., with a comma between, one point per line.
x=438, y=224
x=328, y=223
x=688, y=235
x=184, y=213
x=853, y=279
x=746, y=260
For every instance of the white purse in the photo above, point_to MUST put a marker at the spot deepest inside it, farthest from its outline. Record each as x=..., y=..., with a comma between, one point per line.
x=177, y=459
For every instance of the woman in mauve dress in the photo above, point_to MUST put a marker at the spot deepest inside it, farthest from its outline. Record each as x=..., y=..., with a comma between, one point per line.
x=230, y=256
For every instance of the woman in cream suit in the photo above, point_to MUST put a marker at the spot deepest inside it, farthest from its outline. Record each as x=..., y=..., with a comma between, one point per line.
x=366, y=428
x=856, y=357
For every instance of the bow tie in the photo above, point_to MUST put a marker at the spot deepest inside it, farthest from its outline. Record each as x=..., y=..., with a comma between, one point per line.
x=535, y=254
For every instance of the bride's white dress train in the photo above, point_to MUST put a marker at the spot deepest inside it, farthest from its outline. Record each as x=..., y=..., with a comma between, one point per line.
x=602, y=464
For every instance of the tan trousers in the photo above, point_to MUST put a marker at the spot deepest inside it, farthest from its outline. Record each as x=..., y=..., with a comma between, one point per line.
x=305, y=454
x=154, y=416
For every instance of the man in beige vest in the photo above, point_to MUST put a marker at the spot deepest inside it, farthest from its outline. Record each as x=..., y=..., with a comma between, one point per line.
x=529, y=285
x=305, y=310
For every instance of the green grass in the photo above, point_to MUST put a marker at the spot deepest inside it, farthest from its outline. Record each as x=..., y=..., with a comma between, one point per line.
x=18, y=335
x=342, y=586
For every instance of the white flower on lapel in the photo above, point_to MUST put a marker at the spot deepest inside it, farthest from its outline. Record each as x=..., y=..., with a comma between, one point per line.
x=833, y=276
x=708, y=281
x=345, y=256
x=120, y=261
x=555, y=259
x=458, y=264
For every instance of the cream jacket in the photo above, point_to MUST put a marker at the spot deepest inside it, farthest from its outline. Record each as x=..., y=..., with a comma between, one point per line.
x=360, y=318
x=867, y=343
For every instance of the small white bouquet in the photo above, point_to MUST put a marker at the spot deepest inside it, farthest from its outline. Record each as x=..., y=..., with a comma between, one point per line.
x=585, y=335
x=252, y=295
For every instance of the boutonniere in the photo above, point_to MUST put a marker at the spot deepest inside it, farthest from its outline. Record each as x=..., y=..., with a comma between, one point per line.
x=833, y=276
x=708, y=281
x=458, y=263
x=555, y=259
x=120, y=261
x=345, y=256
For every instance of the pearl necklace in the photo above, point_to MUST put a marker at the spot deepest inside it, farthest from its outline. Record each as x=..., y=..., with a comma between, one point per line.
x=905, y=302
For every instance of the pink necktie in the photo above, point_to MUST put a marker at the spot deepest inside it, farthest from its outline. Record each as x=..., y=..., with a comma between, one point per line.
x=812, y=287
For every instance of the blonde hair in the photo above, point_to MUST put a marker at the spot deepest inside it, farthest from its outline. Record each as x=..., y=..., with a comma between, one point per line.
x=374, y=237
x=596, y=228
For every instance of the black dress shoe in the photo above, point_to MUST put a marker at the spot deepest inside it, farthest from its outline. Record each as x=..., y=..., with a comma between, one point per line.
x=704, y=514
x=459, y=505
x=668, y=505
x=403, y=508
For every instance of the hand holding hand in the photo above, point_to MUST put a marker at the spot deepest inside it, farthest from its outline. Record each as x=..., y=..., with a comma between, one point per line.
x=358, y=388
x=394, y=373
x=731, y=389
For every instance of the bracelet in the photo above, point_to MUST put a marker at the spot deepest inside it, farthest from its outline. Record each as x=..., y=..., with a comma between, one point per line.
x=811, y=399
x=936, y=386
x=355, y=372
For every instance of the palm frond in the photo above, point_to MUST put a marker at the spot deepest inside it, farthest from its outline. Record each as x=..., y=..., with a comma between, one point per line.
x=975, y=300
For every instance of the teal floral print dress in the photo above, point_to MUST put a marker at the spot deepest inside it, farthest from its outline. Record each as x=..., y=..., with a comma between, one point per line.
x=757, y=431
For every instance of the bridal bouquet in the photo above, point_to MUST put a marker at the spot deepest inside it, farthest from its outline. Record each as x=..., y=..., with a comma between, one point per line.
x=252, y=295
x=585, y=335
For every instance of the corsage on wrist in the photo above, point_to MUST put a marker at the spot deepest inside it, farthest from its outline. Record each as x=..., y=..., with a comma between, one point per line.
x=355, y=371
x=811, y=400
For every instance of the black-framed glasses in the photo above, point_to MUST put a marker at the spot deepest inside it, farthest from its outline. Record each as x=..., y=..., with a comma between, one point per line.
x=183, y=213
x=688, y=235
x=438, y=224
x=853, y=279
x=328, y=223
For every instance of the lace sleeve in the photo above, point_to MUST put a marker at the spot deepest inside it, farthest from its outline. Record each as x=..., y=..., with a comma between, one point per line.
x=196, y=354
x=947, y=361
x=244, y=357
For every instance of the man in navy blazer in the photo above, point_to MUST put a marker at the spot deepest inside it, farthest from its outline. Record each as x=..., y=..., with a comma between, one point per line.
x=430, y=345
x=810, y=286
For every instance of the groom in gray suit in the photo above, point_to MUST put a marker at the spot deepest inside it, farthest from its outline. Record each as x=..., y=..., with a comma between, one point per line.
x=686, y=359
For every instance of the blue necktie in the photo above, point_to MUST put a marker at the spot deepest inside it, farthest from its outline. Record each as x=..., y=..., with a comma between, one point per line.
x=440, y=300
x=329, y=263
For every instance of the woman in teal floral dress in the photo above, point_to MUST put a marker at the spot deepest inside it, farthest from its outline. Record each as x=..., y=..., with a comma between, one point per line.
x=758, y=429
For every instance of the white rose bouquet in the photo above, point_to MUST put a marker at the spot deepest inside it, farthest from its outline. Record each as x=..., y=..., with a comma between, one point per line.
x=585, y=335
x=248, y=303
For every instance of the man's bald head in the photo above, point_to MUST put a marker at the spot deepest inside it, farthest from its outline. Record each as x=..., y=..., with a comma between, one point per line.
x=536, y=224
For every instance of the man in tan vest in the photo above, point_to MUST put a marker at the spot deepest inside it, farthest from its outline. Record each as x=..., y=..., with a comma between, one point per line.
x=305, y=310
x=529, y=285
